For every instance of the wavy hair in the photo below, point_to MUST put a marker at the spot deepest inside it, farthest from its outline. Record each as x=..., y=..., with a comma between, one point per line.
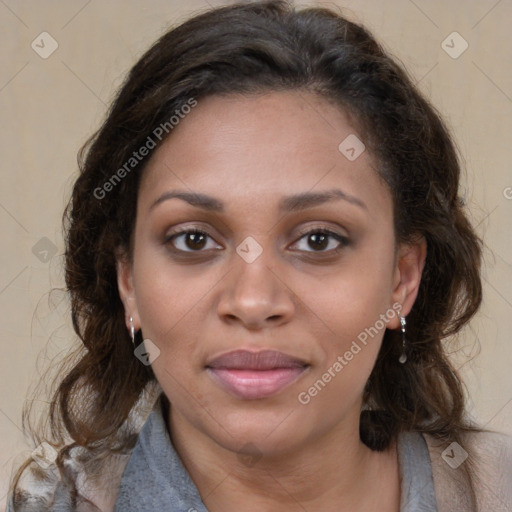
x=260, y=47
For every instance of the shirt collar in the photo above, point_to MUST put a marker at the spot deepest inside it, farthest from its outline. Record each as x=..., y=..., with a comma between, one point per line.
x=156, y=479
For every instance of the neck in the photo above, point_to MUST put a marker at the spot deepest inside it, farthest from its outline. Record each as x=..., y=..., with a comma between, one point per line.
x=333, y=472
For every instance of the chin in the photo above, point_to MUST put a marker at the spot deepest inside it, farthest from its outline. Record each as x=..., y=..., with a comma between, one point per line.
x=269, y=432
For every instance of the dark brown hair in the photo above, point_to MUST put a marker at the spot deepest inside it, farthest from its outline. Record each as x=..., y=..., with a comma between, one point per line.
x=253, y=48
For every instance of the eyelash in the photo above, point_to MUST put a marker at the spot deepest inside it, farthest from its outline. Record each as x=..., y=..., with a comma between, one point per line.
x=343, y=241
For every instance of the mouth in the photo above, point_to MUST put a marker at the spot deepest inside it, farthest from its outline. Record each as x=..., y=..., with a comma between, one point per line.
x=254, y=375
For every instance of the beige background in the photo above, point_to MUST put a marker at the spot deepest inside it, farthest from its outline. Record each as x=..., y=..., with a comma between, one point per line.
x=50, y=106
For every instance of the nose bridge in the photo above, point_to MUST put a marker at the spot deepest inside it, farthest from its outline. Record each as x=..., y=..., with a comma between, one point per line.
x=253, y=292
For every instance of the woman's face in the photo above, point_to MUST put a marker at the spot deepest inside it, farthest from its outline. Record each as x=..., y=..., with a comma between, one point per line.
x=297, y=257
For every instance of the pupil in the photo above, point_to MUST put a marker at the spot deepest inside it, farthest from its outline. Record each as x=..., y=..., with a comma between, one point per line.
x=320, y=240
x=197, y=240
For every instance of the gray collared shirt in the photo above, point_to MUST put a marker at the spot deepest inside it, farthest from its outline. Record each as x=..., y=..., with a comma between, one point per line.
x=156, y=480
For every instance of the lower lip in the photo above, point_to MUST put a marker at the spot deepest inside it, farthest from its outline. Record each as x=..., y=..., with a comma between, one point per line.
x=253, y=384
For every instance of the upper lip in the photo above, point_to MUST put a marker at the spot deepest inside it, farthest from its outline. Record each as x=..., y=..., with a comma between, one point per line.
x=261, y=360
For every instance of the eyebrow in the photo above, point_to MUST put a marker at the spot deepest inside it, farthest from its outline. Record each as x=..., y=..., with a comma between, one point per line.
x=292, y=203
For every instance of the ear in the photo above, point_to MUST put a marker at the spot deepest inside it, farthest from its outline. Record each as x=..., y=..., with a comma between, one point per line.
x=126, y=289
x=408, y=270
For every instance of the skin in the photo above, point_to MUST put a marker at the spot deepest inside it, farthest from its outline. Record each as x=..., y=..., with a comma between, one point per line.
x=308, y=301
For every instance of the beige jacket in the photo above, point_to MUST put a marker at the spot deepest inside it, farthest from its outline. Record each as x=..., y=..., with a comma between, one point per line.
x=492, y=455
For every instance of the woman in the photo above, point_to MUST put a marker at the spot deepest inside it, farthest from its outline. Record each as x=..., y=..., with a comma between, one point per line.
x=265, y=250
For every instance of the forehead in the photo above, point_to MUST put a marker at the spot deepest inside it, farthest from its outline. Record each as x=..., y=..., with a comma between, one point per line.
x=263, y=146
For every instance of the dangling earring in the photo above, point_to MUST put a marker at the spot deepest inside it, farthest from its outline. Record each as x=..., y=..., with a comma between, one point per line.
x=403, y=356
x=132, y=331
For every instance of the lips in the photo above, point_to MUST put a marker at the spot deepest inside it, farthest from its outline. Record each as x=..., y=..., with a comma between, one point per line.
x=263, y=360
x=255, y=375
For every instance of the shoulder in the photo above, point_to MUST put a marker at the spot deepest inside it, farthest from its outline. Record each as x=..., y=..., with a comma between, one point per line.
x=34, y=487
x=83, y=482
x=44, y=487
x=488, y=455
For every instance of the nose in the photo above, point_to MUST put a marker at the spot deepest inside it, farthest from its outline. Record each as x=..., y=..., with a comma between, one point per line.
x=255, y=294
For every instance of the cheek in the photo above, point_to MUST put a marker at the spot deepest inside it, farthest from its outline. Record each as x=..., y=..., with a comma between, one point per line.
x=348, y=349
x=352, y=297
x=174, y=304
x=163, y=299
x=353, y=306
x=168, y=304
x=166, y=292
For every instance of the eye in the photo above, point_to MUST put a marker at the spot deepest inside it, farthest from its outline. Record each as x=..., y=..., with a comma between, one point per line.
x=190, y=240
x=313, y=240
x=321, y=240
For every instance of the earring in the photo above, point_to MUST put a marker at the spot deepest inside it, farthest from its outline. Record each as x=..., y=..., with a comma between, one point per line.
x=403, y=356
x=132, y=331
